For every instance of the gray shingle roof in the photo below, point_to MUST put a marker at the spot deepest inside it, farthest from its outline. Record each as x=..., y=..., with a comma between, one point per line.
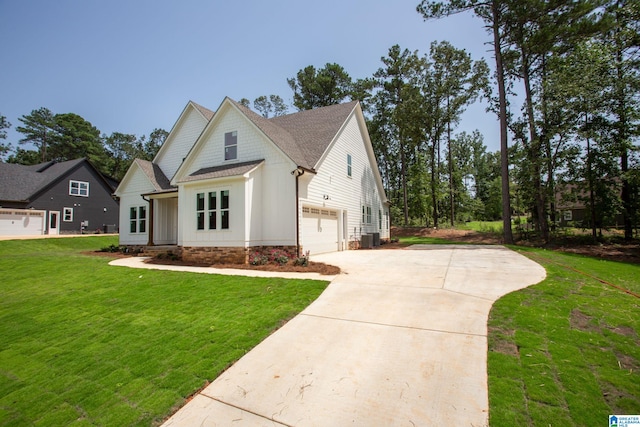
x=158, y=179
x=21, y=183
x=303, y=136
x=204, y=111
x=223, y=171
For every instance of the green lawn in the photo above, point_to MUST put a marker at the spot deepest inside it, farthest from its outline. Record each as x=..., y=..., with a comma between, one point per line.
x=482, y=226
x=85, y=343
x=566, y=351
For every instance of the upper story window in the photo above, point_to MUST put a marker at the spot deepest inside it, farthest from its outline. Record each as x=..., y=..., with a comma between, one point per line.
x=78, y=188
x=349, y=165
x=231, y=145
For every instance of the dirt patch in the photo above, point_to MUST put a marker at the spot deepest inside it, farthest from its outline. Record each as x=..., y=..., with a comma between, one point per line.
x=629, y=253
x=583, y=322
x=500, y=341
x=466, y=236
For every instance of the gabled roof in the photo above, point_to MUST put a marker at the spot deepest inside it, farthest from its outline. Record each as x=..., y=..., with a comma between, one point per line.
x=208, y=114
x=157, y=178
x=21, y=183
x=303, y=136
x=224, y=171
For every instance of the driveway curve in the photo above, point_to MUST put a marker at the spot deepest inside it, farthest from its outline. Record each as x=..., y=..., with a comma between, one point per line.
x=398, y=339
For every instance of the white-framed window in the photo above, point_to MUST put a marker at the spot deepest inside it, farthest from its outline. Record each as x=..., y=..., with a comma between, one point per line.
x=224, y=209
x=366, y=214
x=349, y=169
x=200, y=211
x=138, y=219
x=67, y=214
x=210, y=205
x=78, y=188
x=379, y=219
x=231, y=145
x=567, y=215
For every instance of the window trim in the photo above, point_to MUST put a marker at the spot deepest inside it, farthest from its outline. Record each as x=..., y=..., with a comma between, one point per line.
x=349, y=165
x=68, y=211
x=216, y=217
x=231, y=142
x=137, y=219
x=78, y=188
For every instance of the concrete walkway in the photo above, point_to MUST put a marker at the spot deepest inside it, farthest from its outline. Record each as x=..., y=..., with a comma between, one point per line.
x=398, y=339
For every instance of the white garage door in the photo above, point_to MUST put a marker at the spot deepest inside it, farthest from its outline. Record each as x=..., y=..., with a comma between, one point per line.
x=21, y=222
x=319, y=230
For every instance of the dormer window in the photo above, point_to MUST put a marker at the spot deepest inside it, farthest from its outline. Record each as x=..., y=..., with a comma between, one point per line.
x=231, y=145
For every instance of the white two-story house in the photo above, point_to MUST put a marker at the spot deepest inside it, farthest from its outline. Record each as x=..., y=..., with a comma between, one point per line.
x=230, y=183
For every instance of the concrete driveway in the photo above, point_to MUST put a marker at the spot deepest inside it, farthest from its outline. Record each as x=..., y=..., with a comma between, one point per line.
x=398, y=339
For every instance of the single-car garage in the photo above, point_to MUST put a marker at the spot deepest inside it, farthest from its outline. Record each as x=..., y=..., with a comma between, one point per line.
x=319, y=230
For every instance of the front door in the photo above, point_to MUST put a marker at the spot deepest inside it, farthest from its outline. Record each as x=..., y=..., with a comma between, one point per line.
x=54, y=221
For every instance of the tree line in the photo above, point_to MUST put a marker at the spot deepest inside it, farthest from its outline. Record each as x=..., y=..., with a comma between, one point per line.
x=67, y=136
x=574, y=64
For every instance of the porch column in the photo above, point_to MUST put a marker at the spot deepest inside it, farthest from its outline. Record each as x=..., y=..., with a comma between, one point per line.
x=151, y=221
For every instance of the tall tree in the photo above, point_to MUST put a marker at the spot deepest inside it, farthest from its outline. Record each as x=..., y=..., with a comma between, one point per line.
x=4, y=124
x=318, y=88
x=396, y=105
x=74, y=138
x=273, y=105
x=38, y=128
x=623, y=36
x=491, y=12
x=460, y=80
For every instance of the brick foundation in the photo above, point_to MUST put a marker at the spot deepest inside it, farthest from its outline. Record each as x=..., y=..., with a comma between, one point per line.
x=215, y=255
x=291, y=251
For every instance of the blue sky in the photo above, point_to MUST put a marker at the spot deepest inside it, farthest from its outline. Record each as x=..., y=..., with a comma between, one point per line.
x=131, y=65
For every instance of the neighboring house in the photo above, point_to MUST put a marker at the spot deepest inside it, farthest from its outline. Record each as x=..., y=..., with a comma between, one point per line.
x=74, y=196
x=227, y=184
x=572, y=209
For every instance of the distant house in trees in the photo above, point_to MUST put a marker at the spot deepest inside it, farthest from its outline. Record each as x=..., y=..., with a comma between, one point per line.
x=227, y=184
x=52, y=198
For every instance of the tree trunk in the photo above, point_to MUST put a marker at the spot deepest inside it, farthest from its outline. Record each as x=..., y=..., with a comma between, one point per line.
x=403, y=171
x=504, y=148
x=434, y=182
x=622, y=129
x=535, y=150
x=450, y=159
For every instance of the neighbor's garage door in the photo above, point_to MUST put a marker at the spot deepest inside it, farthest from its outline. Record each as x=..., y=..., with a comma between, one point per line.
x=21, y=222
x=319, y=230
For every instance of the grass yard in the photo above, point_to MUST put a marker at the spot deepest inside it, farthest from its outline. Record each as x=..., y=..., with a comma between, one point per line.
x=85, y=343
x=566, y=352
x=482, y=226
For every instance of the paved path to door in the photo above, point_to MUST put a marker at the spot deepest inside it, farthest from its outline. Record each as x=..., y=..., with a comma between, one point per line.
x=398, y=339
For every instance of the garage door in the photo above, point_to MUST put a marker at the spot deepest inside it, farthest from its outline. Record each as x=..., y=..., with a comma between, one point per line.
x=21, y=222
x=319, y=230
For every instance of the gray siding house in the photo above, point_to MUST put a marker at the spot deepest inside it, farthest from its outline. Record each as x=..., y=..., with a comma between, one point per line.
x=73, y=195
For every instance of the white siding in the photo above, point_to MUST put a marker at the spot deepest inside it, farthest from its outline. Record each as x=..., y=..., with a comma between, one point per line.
x=188, y=233
x=269, y=192
x=332, y=188
x=165, y=215
x=177, y=146
x=137, y=184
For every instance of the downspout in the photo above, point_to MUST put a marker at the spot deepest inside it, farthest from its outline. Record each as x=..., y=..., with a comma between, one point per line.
x=297, y=173
x=150, y=201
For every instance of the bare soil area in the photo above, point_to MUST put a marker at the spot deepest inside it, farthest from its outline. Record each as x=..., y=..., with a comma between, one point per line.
x=613, y=251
